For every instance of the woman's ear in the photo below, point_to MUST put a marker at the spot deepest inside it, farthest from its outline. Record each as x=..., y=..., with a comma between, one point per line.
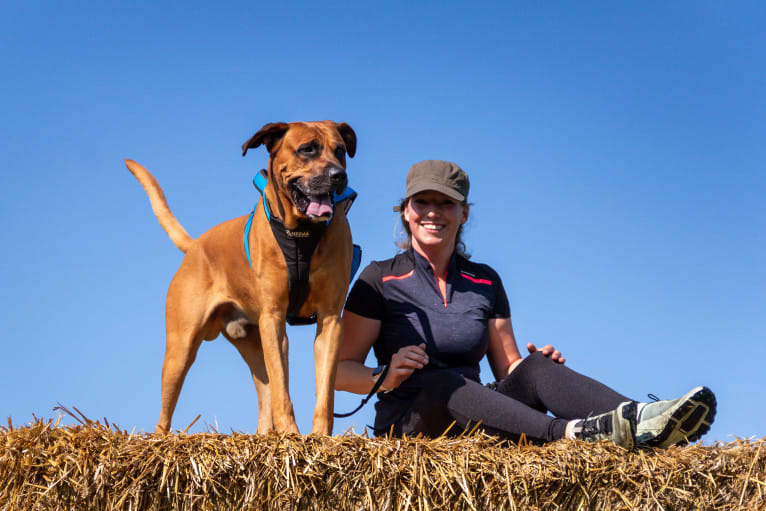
x=464, y=219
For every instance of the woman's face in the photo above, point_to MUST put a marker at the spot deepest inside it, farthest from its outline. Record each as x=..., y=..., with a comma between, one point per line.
x=434, y=219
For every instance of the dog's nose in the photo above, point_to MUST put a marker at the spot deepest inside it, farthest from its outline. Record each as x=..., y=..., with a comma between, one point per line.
x=339, y=179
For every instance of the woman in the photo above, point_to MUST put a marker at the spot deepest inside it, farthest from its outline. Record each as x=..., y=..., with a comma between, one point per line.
x=431, y=315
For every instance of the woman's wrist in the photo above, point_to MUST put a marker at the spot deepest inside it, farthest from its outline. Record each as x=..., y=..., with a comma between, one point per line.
x=354, y=376
x=378, y=373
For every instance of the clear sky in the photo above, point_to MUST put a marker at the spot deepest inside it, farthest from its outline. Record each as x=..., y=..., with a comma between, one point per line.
x=616, y=155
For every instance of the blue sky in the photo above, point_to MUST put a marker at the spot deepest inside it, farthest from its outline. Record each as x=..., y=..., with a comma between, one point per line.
x=616, y=154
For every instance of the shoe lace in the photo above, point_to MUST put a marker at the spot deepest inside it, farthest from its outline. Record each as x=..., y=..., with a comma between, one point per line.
x=595, y=425
x=652, y=397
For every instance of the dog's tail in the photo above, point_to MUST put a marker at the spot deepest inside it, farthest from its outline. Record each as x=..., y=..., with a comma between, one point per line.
x=177, y=233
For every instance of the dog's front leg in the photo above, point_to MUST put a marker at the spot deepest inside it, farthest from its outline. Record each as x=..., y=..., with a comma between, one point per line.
x=275, y=347
x=326, y=350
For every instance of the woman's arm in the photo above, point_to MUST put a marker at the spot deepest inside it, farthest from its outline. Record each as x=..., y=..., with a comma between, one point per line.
x=503, y=354
x=359, y=334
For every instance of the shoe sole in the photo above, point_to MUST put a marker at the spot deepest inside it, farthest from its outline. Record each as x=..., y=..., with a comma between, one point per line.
x=692, y=418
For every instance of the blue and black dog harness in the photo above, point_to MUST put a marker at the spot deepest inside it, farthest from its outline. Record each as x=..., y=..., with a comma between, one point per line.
x=298, y=246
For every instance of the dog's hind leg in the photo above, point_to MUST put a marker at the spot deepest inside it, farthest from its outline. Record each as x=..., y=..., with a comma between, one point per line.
x=252, y=352
x=180, y=352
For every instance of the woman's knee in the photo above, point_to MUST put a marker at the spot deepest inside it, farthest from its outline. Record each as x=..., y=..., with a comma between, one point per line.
x=523, y=381
x=531, y=367
x=536, y=359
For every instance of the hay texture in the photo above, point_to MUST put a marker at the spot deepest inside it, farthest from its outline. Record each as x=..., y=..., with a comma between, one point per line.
x=48, y=466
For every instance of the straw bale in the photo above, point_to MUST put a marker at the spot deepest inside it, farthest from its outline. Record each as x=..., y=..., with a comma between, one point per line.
x=45, y=465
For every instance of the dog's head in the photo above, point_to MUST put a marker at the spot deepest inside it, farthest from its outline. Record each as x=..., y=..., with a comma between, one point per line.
x=308, y=163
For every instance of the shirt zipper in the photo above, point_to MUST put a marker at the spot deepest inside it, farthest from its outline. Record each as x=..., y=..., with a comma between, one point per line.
x=444, y=296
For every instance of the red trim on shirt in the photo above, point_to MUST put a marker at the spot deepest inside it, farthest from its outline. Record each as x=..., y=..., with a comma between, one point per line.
x=477, y=281
x=398, y=277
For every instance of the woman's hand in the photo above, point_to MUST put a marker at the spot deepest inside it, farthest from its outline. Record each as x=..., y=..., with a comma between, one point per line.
x=403, y=363
x=548, y=351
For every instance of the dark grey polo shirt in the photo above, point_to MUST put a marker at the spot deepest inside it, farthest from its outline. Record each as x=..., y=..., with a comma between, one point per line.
x=403, y=294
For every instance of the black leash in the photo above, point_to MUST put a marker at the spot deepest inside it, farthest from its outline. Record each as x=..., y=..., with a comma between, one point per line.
x=374, y=390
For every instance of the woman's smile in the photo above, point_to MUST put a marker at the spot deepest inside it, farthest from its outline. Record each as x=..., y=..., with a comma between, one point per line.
x=430, y=226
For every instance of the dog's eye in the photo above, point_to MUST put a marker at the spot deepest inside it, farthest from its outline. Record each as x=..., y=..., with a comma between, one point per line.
x=340, y=153
x=309, y=149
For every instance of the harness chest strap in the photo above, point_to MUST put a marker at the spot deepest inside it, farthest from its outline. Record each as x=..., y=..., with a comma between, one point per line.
x=297, y=248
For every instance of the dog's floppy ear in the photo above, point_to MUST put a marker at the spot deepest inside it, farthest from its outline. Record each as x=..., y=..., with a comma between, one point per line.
x=349, y=138
x=269, y=135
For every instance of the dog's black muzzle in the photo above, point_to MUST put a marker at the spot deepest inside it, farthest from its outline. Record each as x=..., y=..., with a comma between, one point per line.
x=333, y=180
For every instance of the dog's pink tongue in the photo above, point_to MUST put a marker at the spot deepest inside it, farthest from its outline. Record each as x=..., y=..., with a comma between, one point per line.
x=319, y=207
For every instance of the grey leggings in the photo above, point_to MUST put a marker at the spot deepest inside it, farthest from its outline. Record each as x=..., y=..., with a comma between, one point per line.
x=519, y=405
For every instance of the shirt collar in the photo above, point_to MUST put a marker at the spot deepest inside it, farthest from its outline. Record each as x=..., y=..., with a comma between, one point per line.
x=423, y=264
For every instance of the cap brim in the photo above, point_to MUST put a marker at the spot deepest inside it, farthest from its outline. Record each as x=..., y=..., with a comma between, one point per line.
x=446, y=190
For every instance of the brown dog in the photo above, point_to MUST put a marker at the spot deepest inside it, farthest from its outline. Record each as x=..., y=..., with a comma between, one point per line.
x=217, y=291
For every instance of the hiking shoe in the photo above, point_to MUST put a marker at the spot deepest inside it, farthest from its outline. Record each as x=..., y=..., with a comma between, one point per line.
x=676, y=421
x=619, y=426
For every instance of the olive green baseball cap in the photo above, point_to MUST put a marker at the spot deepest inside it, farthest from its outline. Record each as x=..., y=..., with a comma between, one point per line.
x=443, y=176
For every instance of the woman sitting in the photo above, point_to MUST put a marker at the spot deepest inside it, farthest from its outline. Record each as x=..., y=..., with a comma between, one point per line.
x=431, y=315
